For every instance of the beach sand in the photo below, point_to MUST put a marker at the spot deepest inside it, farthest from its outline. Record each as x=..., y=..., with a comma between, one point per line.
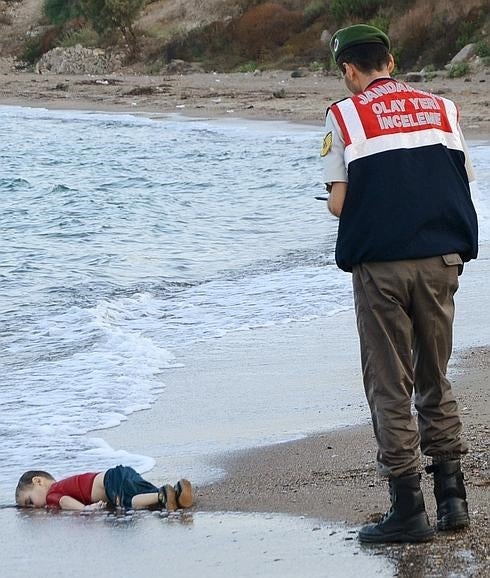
x=327, y=477
x=270, y=95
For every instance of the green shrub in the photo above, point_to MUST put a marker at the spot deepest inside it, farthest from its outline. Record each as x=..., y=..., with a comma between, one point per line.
x=381, y=21
x=36, y=46
x=313, y=10
x=155, y=67
x=458, y=70
x=316, y=66
x=344, y=9
x=85, y=36
x=247, y=67
x=32, y=51
x=107, y=16
x=60, y=11
x=482, y=48
x=466, y=33
x=430, y=72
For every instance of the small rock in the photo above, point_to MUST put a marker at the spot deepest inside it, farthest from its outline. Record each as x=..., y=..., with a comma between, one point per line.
x=299, y=73
x=177, y=66
x=414, y=77
x=325, y=38
x=281, y=93
x=464, y=54
x=141, y=90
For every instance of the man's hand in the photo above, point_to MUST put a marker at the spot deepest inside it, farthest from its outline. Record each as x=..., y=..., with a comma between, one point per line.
x=336, y=198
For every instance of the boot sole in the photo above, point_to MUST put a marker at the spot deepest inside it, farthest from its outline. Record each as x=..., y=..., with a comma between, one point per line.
x=453, y=523
x=397, y=537
x=183, y=490
x=168, y=500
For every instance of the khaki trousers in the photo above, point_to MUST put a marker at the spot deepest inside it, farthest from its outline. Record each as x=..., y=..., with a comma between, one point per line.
x=405, y=312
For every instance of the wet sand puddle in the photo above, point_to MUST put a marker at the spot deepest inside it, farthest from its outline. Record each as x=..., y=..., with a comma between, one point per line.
x=191, y=544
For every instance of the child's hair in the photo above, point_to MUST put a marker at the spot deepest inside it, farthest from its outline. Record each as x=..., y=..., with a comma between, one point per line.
x=26, y=480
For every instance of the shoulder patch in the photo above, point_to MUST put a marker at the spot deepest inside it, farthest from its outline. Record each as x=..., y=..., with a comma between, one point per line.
x=327, y=144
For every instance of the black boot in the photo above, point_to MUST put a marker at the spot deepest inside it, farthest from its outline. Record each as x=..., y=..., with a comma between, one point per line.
x=407, y=519
x=452, y=507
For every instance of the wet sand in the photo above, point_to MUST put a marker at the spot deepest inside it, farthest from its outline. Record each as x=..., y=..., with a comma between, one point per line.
x=190, y=545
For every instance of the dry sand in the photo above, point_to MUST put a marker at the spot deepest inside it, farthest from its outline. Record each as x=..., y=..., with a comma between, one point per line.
x=268, y=95
x=330, y=475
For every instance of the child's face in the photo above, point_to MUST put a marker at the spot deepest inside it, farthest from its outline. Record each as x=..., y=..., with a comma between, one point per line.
x=34, y=496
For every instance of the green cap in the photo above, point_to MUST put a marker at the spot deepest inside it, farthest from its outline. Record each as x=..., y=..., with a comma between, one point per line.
x=355, y=35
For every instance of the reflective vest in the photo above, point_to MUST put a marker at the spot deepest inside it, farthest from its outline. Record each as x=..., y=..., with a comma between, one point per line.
x=408, y=195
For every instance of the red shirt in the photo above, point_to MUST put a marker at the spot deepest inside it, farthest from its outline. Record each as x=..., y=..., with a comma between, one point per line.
x=77, y=487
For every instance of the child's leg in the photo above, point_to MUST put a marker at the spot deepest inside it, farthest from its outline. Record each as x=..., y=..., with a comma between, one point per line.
x=142, y=501
x=164, y=497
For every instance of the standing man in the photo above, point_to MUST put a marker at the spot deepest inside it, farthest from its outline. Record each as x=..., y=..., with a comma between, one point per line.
x=398, y=173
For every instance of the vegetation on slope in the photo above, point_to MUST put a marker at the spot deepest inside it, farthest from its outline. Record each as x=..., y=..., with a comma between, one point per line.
x=244, y=34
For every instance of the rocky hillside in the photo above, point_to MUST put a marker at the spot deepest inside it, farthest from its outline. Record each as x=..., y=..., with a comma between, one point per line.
x=245, y=34
x=186, y=14
x=17, y=18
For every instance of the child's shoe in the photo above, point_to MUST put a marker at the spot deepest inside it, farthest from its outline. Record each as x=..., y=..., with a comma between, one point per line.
x=167, y=498
x=183, y=493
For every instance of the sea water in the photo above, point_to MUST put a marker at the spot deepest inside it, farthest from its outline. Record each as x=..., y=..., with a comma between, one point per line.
x=125, y=238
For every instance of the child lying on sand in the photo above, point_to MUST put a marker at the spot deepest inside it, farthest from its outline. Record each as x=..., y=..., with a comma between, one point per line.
x=121, y=486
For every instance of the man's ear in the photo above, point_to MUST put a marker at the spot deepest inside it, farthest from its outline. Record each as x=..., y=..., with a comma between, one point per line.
x=37, y=481
x=349, y=70
x=391, y=64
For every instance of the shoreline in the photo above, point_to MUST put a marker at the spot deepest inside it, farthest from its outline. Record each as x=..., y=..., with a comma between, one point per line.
x=271, y=95
x=343, y=460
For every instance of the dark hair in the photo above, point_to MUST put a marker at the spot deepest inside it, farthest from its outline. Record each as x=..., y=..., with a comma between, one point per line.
x=26, y=480
x=366, y=57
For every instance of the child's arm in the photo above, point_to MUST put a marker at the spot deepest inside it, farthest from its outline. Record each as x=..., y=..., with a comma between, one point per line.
x=69, y=503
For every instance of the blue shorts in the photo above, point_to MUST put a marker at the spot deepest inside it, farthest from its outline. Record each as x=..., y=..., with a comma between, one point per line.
x=122, y=483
